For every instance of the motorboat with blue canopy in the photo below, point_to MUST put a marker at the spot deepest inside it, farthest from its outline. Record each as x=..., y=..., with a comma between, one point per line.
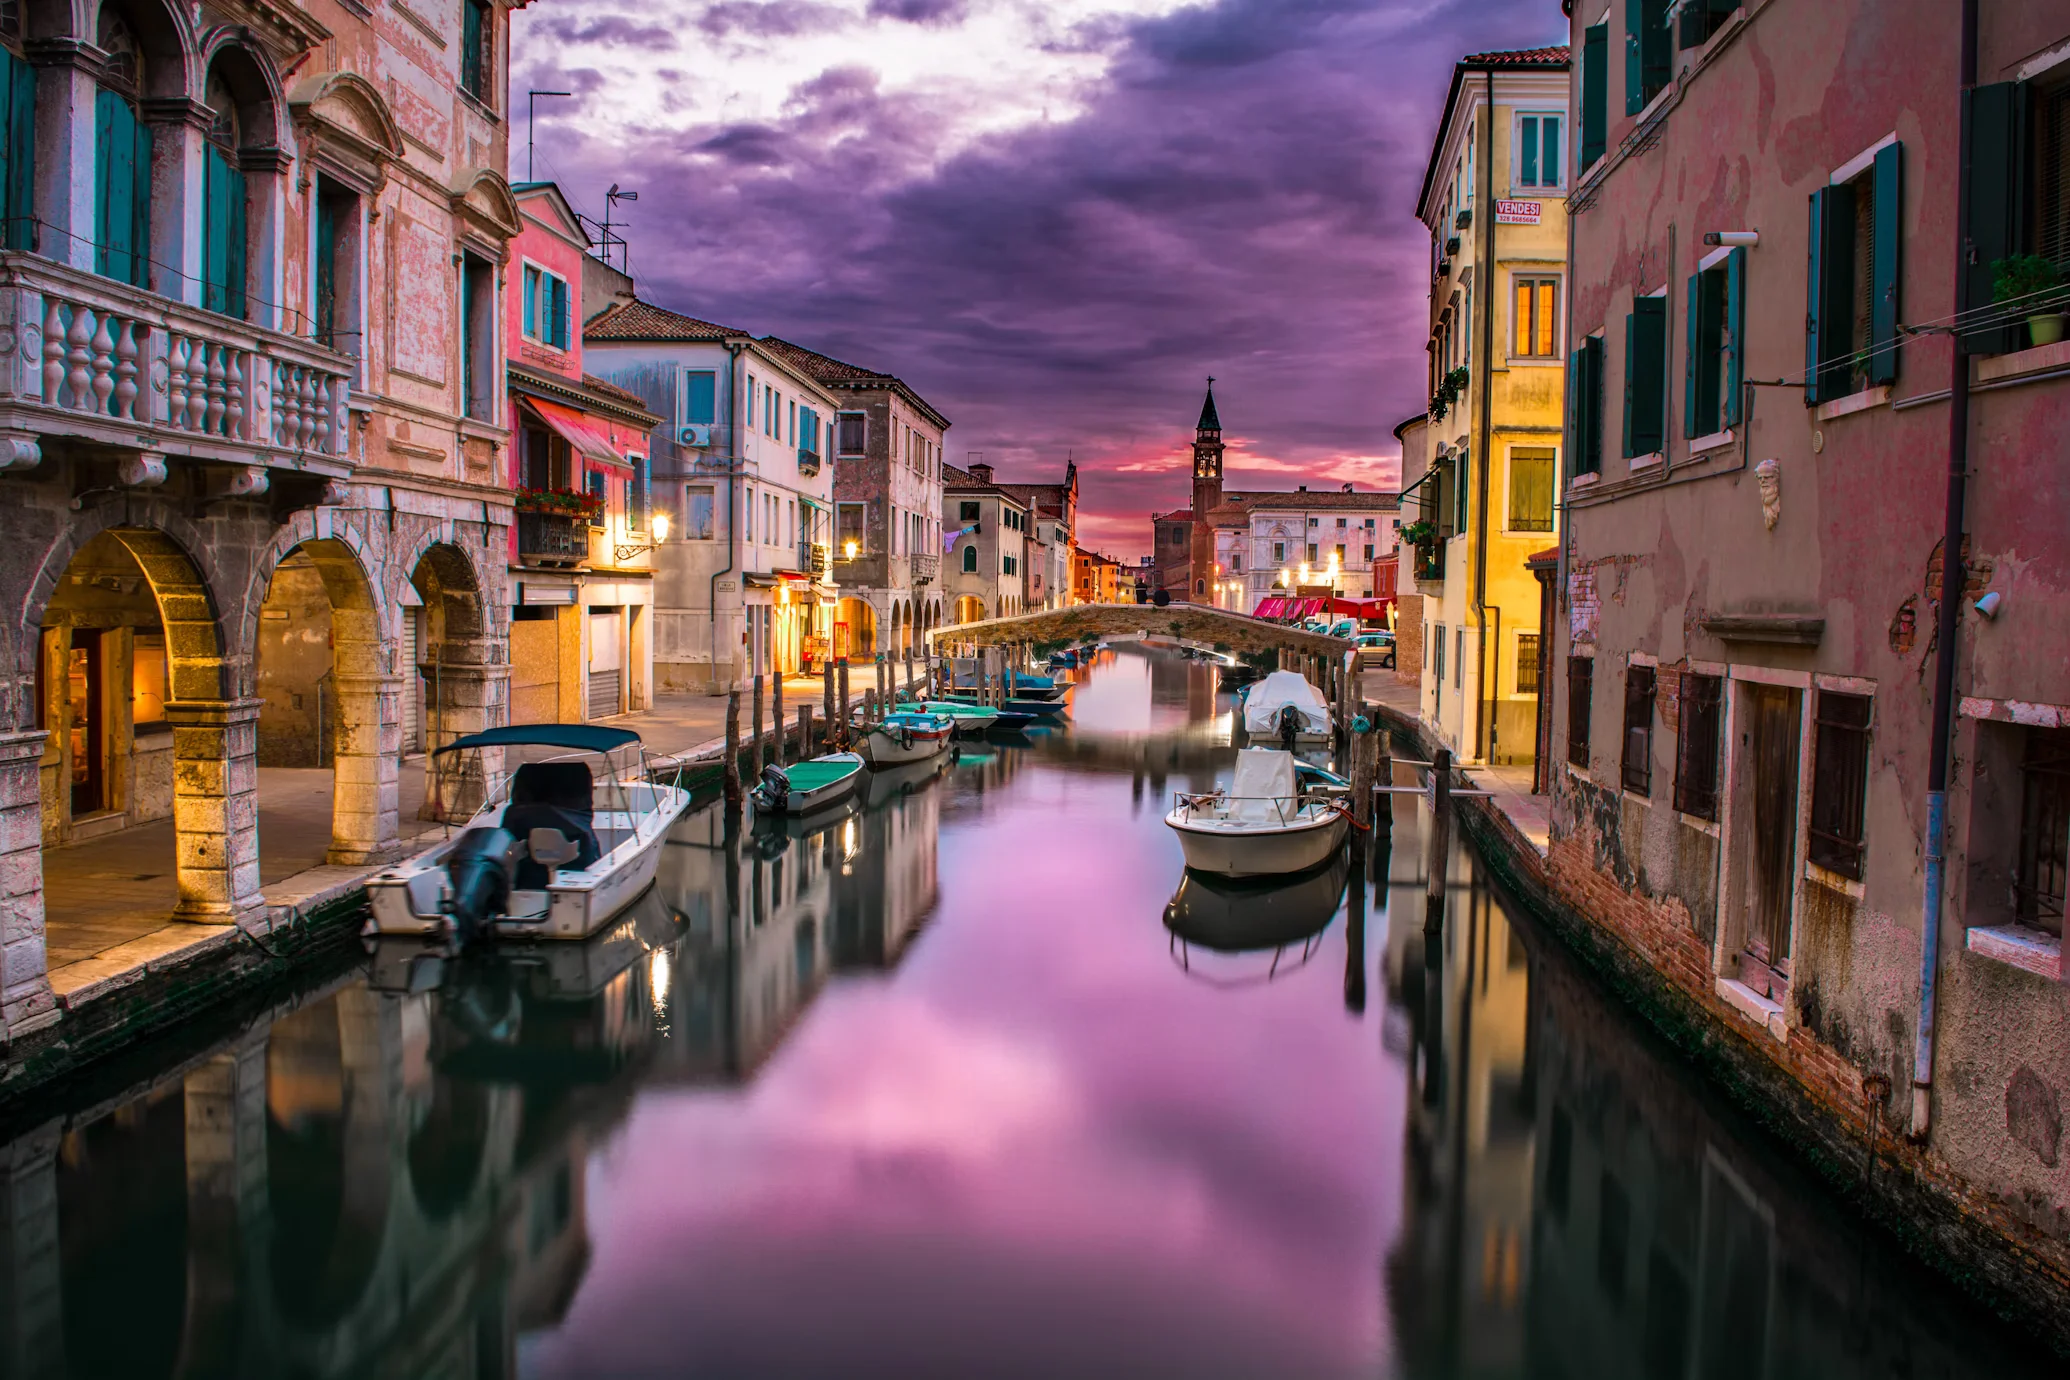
x=569, y=834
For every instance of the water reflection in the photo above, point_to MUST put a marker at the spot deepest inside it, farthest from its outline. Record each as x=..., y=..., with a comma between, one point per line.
x=918, y=1088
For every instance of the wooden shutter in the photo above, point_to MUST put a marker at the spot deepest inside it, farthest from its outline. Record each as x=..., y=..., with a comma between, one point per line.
x=1883, y=265
x=1585, y=404
x=1829, y=294
x=1634, y=56
x=223, y=234
x=327, y=269
x=1656, y=49
x=531, y=319
x=18, y=149
x=1995, y=197
x=1735, y=330
x=701, y=403
x=119, y=254
x=561, y=314
x=1692, y=331
x=1645, y=376
x=1595, y=91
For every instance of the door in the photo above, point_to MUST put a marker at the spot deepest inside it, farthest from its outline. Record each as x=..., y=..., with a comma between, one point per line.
x=1773, y=731
x=412, y=683
x=606, y=661
x=86, y=725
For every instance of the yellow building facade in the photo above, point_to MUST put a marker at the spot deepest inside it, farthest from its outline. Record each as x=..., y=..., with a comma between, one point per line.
x=1491, y=458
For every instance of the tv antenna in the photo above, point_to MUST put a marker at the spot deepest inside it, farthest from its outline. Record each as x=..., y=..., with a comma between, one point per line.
x=531, y=112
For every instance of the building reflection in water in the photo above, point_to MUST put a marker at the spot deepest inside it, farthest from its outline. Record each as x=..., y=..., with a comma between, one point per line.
x=1576, y=1201
x=387, y=1176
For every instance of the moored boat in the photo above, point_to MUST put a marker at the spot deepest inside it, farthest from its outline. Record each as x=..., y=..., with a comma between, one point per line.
x=1285, y=700
x=1262, y=826
x=556, y=852
x=803, y=787
x=906, y=736
x=971, y=718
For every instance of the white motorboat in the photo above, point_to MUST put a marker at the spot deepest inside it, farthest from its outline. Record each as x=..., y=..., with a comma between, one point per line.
x=556, y=853
x=906, y=736
x=1282, y=695
x=803, y=787
x=1262, y=826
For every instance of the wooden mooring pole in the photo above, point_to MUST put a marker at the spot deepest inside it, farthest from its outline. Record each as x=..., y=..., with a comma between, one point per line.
x=733, y=749
x=776, y=717
x=837, y=727
x=1437, y=848
x=826, y=705
x=756, y=759
x=805, y=730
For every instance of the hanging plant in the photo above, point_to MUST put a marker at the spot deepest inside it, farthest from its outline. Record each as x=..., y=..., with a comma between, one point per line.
x=1449, y=388
x=1417, y=533
x=570, y=503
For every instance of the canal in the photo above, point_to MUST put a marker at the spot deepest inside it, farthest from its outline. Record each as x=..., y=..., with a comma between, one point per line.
x=961, y=1083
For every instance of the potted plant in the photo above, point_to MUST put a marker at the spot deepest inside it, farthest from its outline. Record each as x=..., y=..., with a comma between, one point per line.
x=568, y=503
x=1417, y=533
x=2032, y=286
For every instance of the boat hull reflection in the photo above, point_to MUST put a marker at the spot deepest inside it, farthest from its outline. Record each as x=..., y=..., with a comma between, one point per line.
x=1230, y=915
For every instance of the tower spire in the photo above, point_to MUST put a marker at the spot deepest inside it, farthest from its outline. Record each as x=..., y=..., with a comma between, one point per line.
x=1210, y=420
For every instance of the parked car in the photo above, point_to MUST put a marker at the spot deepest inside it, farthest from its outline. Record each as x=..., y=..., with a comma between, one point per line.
x=1375, y=649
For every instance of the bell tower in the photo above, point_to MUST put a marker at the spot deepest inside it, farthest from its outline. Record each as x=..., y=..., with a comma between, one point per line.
x=1207, y=496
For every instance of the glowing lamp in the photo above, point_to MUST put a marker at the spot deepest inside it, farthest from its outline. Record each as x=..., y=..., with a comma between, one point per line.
x=849, y=548
x=661, y=525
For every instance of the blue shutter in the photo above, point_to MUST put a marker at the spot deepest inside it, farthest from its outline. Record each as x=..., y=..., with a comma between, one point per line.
x=1883, y=265
x=1595, y=91
x=1814, y=273
x=1527, y=151
x=1691, y=358
x=1549, y=138
x=114, y=185
x=18, y=149
x=700, y=402
x=1735, y=331
x=561, y=337
x=531, y=323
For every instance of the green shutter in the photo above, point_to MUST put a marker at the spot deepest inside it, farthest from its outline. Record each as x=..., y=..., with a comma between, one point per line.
x=1656, y=48
x=1645, y=362
x=1883, y=264
x=1692, y=356
x=1735, y=331
x=18, y=149
x=1595, y=91
x=562, y=315
x=531, y=321
x=1995, y=194
x=1585, y=382
x=122, y=191
x=222, y=234
x=1634, y=56
x=1460, y=502
x=1815, y=326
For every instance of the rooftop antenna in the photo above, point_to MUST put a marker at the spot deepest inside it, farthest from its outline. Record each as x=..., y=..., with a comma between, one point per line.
x=611, y=200
x=531, y=110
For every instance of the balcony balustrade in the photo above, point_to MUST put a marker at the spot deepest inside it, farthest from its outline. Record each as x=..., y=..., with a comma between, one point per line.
x=552, y=539
x=927, y=568
x=95, y=359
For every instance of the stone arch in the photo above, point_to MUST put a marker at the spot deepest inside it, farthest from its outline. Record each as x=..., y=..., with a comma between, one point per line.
x=253, y=82
x=350, y=106
x=460, y=672
x=164, y=37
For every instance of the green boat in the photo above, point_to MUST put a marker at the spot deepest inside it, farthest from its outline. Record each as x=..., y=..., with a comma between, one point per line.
x=803, y=787
x=970, y=718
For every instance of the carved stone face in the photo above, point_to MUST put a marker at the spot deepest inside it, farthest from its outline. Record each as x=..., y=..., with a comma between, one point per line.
x=1768, y=474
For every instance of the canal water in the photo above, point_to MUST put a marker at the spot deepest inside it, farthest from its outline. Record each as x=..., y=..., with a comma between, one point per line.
x=963, y=1082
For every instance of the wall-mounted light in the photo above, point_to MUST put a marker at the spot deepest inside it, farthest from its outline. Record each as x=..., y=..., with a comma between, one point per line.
x=849, y=548
x=1732, y=239
x=1987, y=606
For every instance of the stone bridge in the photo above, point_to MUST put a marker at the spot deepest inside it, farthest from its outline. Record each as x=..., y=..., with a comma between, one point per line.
x=1219, y=628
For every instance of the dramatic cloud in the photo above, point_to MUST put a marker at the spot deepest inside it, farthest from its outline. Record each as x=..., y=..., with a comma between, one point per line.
x=1053, y=219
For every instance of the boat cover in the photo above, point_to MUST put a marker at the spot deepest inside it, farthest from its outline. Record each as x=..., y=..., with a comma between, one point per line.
x=581, y=737
x=820, y=771
x=1264, y=777
x=1261, y=707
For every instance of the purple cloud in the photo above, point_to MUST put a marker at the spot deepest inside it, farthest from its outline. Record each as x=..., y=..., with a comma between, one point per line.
x=775, y=19
x=920, y=11
x=1236, y=198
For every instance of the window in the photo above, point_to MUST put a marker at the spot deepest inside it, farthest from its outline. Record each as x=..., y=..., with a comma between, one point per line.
x=2044, y=855
x=1715, y=327
x=1638, y=729
x=1279, y=553
x=1530, y=491
x=1315, y=522
x=597, y=483
x=1458, y=657
x=18, y=145
x=1311, y=553
x=1839, y=781
x=970, y=512
x=477, y=48
x=1696, y=747
x=1369, y=554
x=1585, y=404
x=339, y=225
x=1461, y=490
x=1581, y=681
x=747, y=515
x=546, y=312
x=1338, y=551
x=1645, y=378
x=122, y=160
x=854, y=431
x=698, y=513
x=223, y=206
x=2018, y=195
x=808, y=431
x=548, y=459
x=1527, y=663
x=1850, y=335
x=1701, y=19
x=1236, y=562
x=1595, y=93
x=1340, y=522
x=700, y=397
x=848, y=527
x=1648, y=53
x=635, y=498
x=1537, y=323
x=970, y=560
x=752, y=386
x=1438, y=653
x=1536, y=140
x=481, y=361
x=1007, y=565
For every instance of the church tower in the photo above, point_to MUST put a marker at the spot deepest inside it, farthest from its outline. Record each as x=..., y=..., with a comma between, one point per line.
x=1207, y=496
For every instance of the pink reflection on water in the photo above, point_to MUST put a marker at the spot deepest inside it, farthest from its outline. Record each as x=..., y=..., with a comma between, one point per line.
x=1037, y=1142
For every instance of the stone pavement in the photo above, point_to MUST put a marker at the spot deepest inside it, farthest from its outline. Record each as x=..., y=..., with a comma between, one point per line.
x=1530, y=815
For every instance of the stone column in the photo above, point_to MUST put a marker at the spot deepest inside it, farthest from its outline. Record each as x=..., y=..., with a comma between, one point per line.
x=32, y=1309
x=65, y=159
x=464, y=699
x=216, y=810
x=178, y=141
x=26, y=1002
x=367, y=769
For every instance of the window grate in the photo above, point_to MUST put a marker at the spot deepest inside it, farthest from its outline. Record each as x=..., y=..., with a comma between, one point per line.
x=1581, y=682
x=1527, y=663
x=2044, y=858
x=1638, y=729
x=1696, y=748
x=1839, y=781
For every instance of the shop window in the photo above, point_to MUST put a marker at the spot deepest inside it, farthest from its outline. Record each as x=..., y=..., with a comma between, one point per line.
x=1839, y=782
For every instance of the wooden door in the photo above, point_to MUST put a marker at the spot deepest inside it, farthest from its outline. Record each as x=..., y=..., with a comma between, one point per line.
x=1773, y=732
x=86, y=724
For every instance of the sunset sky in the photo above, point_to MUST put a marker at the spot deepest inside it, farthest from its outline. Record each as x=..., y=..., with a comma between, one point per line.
x=1053, y=218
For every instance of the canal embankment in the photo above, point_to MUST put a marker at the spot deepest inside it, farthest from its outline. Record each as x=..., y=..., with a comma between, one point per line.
x=1824, y=1111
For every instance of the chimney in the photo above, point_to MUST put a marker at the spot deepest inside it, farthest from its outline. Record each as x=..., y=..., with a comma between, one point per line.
x=981, y=473
x=1347, y=488
x=1304, y=488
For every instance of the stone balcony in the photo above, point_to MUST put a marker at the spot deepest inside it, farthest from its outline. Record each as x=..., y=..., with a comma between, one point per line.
x=114, y=367
x=881, y=571
x=926, y=567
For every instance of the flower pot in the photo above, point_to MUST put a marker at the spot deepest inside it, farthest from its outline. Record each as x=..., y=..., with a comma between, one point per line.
x=2046, y=328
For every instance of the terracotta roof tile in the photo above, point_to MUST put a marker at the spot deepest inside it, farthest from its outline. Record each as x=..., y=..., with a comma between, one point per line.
x=612, y=390
x=1520, y=57
x=825, y=368
x=638, y=320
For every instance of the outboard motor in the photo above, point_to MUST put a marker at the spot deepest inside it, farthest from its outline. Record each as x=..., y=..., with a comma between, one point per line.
x=480, y=869
x=776, y=787
x=1289, y=726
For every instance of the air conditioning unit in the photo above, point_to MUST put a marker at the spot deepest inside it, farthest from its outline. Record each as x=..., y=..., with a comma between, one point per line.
x=695, y=437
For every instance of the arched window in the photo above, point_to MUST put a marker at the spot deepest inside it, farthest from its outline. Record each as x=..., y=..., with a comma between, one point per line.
x=970, y=560
x=122, y=159
x=17, y=133
x=223, y=201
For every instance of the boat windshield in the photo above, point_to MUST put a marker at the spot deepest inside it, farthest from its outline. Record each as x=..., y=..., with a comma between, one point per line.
x=1264, y=784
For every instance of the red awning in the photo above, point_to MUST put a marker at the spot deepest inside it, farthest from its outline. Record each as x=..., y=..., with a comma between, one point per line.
x=591, y=439
x=1269, y=607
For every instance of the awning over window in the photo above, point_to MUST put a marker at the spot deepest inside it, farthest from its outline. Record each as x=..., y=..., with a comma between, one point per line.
x=591, y=439
x=1269, y=608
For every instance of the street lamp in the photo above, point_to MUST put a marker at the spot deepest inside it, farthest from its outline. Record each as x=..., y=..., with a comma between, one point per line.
x=849, y=548
x=661, y=526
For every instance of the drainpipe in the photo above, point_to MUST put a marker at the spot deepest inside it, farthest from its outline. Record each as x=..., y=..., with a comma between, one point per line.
x=733, y=352
x=1483, y=708
x=1953, y=576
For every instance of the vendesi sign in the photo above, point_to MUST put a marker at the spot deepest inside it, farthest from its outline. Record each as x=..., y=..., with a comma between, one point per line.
x=1516, y=212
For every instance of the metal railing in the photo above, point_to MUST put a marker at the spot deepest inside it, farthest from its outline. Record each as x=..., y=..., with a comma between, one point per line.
x=552, y=538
